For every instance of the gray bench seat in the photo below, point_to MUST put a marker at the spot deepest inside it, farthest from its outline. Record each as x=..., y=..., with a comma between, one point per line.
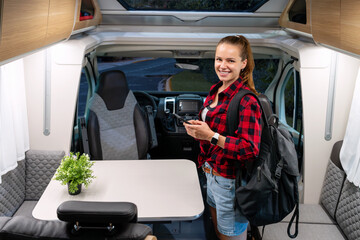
x=26, y=209
x=336, y=217
x=312, y=213
x=314, y=223
x=307, y=231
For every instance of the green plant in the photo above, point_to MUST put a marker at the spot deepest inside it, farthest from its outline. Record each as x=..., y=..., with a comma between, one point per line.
x=75, y=169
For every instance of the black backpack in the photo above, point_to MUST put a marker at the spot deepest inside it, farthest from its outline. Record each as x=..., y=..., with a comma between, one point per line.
x=271, y=190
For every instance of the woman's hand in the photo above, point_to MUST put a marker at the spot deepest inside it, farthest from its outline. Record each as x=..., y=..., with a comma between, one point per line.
x=199, y=130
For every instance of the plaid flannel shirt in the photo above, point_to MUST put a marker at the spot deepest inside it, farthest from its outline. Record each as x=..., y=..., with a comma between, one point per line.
x=245, y=144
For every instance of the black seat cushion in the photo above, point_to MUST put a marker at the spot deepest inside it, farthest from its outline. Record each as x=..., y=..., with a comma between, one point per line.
x=97, y=212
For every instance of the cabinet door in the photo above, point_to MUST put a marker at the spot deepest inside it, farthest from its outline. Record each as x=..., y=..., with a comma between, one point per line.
x=337, y=23
x=325, y=17
x=23, y=26
x=350, y=26
x=61, y=20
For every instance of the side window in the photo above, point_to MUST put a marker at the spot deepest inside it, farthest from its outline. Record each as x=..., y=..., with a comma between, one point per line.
x=289, y=100
x=84, y=92
x=264, y=73
x=83, y=96
x=292, y=101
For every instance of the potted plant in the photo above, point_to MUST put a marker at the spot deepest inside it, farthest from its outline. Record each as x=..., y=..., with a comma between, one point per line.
x=75, y=170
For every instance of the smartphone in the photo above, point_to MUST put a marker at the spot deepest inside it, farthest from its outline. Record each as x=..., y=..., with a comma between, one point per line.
x=181, y=118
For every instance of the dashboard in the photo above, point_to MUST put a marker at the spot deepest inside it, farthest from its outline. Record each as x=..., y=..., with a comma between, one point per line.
x=186, y=106
x=173, y=140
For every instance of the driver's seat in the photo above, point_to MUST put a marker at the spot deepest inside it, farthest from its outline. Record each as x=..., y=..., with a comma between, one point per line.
x=117, y=127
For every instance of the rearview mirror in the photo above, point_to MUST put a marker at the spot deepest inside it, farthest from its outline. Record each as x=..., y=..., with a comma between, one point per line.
x=187, y=66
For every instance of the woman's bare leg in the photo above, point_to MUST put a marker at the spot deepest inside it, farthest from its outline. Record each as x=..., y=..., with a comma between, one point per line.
x=242, y=236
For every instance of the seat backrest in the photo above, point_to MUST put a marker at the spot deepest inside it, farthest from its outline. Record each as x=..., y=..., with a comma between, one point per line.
x=12, y=190
x=333, y=181
x=348, y=211
x=117, y=127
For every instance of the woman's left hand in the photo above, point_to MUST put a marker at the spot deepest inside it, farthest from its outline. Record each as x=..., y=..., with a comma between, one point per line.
x=199, y=130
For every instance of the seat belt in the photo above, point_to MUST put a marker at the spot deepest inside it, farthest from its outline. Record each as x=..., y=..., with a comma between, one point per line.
x=84, y=136
x=150, y=117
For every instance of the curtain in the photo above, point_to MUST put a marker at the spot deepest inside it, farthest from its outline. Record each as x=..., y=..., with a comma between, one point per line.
x=350, y=151
x=14, y=132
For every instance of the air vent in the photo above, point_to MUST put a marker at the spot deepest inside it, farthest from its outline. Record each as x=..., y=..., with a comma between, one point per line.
x=169, y=104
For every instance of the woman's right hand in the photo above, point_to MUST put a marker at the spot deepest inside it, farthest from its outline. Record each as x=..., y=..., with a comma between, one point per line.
x=199, y=130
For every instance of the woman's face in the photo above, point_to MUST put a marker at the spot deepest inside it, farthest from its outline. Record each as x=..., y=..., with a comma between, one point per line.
x=228, y=62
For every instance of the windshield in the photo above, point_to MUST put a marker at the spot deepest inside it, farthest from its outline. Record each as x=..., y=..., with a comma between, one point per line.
x=179, y=75
x=194, y=5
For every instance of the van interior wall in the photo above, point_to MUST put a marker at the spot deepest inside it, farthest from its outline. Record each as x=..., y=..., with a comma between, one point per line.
x=64, y=69
x=315, y=74
x=314, y=68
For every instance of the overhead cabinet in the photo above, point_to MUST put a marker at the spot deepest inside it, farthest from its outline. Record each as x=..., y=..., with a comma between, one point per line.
x=29, y=25
x=335, y=23
x=60, y=20
x=23, y=26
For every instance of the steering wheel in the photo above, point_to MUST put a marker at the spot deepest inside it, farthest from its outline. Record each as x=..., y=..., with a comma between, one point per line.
x=150, y=99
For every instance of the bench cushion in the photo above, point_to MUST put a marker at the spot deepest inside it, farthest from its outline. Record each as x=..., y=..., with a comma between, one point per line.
x=12, y=190
x=40, y=168
x=348, y=211
x=26, y=209
x=306, y=231
x=312, y=213
x=21, y=227
x=333, y=181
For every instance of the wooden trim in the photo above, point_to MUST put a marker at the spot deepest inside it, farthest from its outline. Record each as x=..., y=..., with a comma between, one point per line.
x=61, y=20
x=336, y=23
x=1, y=17
x=325, y=17
x=350, y=26
x=286, y=23
x=88, y=23
x=24, y=26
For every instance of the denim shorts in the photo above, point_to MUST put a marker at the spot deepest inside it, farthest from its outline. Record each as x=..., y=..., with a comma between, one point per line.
x=221, y=195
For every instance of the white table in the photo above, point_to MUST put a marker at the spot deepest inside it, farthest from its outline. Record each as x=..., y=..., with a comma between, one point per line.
x=163, y=190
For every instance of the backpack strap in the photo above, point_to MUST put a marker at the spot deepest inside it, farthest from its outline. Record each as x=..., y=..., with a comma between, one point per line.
x=232, y=115
x=296, y=214
x=232, y=122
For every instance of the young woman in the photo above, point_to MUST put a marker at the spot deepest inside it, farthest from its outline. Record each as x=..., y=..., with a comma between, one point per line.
x=234, y=65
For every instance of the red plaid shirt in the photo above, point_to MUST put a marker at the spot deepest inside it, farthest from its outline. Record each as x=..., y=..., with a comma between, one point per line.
x=246, y=143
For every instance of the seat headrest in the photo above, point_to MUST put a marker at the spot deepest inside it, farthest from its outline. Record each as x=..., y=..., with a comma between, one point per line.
x=113, y=89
